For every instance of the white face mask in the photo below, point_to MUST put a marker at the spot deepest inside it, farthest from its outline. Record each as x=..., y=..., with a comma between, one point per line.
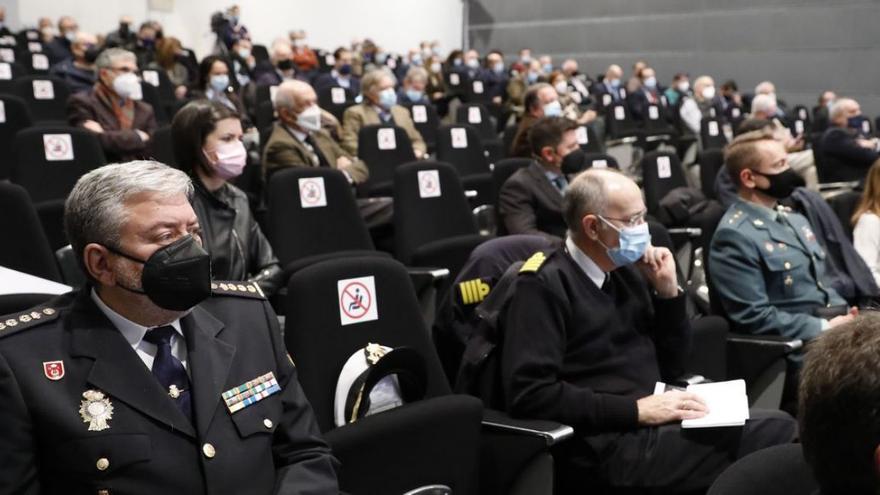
x=709, y=92
x=128, y=86
x=436, y=68
x=684, y=86
x=561, y=87
x=310, y=118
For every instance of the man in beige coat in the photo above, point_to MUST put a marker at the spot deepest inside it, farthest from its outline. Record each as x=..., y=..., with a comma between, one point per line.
x=297, y=140
x=379, y=106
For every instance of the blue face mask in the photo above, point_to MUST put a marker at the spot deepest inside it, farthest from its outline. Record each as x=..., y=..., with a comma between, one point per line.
x=414, y=94
x=858, y=123
x=634, y=241
x=651, y=82
x=498, y=68
x=553, y=109
x=548, y=68
x=387, y=98
x=220, y=82
x=532, y=77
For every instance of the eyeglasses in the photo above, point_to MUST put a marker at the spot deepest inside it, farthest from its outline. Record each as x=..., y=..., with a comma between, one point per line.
x=125, y=70
x=635, y=220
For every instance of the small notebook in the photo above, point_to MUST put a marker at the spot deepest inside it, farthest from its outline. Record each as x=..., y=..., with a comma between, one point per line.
x=727, y=402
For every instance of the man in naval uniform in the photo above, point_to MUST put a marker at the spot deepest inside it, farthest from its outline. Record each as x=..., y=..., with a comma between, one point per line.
x=765, y=261
x=142, y=383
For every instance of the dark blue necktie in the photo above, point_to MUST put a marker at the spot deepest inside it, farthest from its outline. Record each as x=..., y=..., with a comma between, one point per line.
x=169, y=370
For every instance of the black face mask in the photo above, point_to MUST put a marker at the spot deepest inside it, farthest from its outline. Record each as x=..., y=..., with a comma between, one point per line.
x=91, y=54
x=573, y=163
x=123, y=29
x=177, y=276
x=782, y=184
x=285, y=64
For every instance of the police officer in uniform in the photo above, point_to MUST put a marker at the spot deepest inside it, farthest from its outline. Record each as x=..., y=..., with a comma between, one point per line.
x=765, y=261
x=142, y=382
x=589, y=330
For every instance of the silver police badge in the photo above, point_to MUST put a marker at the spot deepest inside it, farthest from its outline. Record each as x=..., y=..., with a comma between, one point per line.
x=96, y=410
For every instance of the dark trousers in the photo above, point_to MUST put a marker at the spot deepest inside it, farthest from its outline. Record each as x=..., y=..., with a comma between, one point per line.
x=667, y=459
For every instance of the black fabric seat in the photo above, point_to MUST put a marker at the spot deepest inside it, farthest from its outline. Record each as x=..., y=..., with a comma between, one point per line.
x=468, y=157
x=433, y=223
x=588, y=140
x=426, y=120
x=28, y=249
x=335, y=100
x=151, y=97
x=711, y=161
x=600, y=160
x=712, y=133
x=162, y=147
x=779, y=470
x=45, y=96
x=431, y=441
x=382, y=162
x=661, y=173
x=15, y=71
x=18, y=117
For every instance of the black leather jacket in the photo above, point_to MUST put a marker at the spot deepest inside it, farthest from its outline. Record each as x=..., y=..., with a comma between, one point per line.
x=238, y=248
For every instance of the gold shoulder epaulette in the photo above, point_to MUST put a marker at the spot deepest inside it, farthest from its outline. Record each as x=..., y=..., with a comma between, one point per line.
x=240, y=289
x=17, y=322
x=534, y=263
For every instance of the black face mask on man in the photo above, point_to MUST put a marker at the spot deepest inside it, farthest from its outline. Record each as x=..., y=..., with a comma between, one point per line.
x=176, y=277
x=574, y=162
x=781, y=184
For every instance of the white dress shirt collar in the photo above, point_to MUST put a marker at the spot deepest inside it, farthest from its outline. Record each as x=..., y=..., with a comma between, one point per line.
x=133, y=332
x=590, y=268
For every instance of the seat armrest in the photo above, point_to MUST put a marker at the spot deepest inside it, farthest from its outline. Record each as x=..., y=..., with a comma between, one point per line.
x=691, y=232
x=422, y=274
x=689, y=379
x=785, y=344
x=552, y=432
x=470, y=193
x=827, y=186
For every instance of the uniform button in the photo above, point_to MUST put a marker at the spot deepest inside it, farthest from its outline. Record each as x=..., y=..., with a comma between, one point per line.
x=209, y=451
x=268, y=423
x=787, y=265
x=819, y=284
x=102, y=464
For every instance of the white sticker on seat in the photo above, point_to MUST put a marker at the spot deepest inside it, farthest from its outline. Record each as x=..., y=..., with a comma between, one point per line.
x=387, y=140
x=43, y=90
x=357, y=300
x=312, y=193
x=58, y=147
x=459, y=137
x=664, y=168
x=429, y=183
x=419, y=114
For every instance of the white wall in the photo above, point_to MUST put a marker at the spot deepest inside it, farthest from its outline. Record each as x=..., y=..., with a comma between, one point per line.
x=396, y=25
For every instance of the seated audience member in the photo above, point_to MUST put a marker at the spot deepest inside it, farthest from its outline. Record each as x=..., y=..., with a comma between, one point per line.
x=167, y=50
x=304, y=58
x=569, y=100
x=413, y=88
x=730, y=94
x=703, y=104
x=495, y=77
x=530, y=201
x=341, y=75
x=297, y=139
x=821, y=111
x=592, y=326
x=634, y=83
x=768, y=88
x=59, y=48
x=379, y=106
x=123, y=36
x=846, y=151
x=470, y=67
x=580, y=82
x=145, y=45
x=143, y=352
x=546, y=62
x=866, y=219
x=767, y=265
x=234, y=29
x=540, y=101
x=680, y=88
x=214, y=84
x=207, y=146
x=839, y=394
x=801, y=160
x=609, y=85
x=243, y=61
x=79, y=71
x=113, y=110
x=436, y=87
x=648, y=93
x=279, y=67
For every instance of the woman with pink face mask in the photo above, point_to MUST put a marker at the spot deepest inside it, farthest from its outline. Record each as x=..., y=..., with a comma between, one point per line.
x=207, y=145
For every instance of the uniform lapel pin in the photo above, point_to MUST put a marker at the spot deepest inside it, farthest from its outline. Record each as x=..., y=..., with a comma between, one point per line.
x=54, y=370
x=96, y=410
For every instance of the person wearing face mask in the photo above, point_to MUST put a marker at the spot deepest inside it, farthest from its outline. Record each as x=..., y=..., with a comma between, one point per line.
x=570, y=99
x=494, y=77
x=648, y=93
x=530, y=201
x=279, y=67
x=609, y=90
x=79, y=72
x=341, y=76
x=704, y=103
x=123, y=36
x=436, y=86
x=767, y=265
x=680, y=87
x=304, y=58
x=216, y=85
x=145, y=45
x=591, y=327
x=243, y=61
x=540, y=100
x=413, y=88
x=206, y=137
x=59, y=48
x=166, y=60
x=846, y=151
x=768, y=88
x=297, y=139
x=379, y=106
x=141, y=357
x=112, y=108
x=234, y=29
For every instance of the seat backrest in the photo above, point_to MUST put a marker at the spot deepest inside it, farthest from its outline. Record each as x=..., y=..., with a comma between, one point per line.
x=778, y=470
x=28, y=249
x=844, y=205
x=503, y=169
x=335, y=100
x=9, y=72
x=260, y=53
x=426, y=120
x=600, y=160
x=461, y=146
x=264, y=92
x=151, y=97
x=312, y=211
x=37, y=63
x=588, y=139
x=265, y=116
x=618, y=121
x=710, y=162
x=507, y=138
x=476, y=115
x=342, y=305
x=383, y=147
x=429, y=205
x=15, y=117
x=49, y=160
x=712, y=133
x=159, y=79
x=456, y=83
x=162, y=146
x=661, y=173
x=477, y=91
x=46, y=97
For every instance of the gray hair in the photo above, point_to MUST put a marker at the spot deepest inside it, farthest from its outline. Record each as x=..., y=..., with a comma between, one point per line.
x=585, y=195
x=839, y=107
x=95, y=210
x=285, y=97
x=765, y=87
x=763, y=103
x=416, y=73
x=373, y=78
x=107, y=57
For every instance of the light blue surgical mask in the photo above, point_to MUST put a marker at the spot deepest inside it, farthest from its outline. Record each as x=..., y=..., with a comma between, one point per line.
x=634, y=241
x=548, y=68
x=387, y=98
x=414, y=94
x=220, y=82
x=531, y=77
x=498, y=67
x=651, y=82
x=553, y=109
x=473, y=63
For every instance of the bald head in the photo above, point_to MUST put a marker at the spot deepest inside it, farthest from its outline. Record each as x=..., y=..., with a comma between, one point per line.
x=292, y=98
x=842, y=109
x=614, y=72
x=765, y=88
x=569, y=67
x=595, y=192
